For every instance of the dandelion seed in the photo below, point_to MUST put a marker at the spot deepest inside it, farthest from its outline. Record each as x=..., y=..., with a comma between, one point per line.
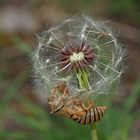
x=77, y=55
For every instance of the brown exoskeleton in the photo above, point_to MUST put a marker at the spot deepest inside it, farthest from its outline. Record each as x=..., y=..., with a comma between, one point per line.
x=72, y=107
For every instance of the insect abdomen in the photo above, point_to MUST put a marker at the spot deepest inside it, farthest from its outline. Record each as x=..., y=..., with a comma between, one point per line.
x=92, y=115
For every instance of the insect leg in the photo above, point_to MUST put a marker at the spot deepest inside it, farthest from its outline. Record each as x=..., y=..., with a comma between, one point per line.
x=90, y=105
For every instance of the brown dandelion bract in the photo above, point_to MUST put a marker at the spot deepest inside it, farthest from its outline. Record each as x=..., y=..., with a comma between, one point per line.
x=75, y=56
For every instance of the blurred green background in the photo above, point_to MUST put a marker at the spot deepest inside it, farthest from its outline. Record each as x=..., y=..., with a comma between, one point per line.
x=22, y=115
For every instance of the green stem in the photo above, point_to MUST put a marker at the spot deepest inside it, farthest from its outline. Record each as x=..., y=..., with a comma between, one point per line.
x=93, y=132
x=82, y=76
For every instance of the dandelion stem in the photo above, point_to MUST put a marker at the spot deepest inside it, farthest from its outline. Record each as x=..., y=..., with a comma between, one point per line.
x=82, y=77
x=93, y=132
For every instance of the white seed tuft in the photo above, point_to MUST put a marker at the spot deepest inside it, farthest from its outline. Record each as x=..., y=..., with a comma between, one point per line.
x=103, y=72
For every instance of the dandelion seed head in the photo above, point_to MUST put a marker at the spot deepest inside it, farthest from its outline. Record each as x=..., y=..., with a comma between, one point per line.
x=75, y=44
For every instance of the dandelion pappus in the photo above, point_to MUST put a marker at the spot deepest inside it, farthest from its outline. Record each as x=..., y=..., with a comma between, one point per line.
x=105, y=33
